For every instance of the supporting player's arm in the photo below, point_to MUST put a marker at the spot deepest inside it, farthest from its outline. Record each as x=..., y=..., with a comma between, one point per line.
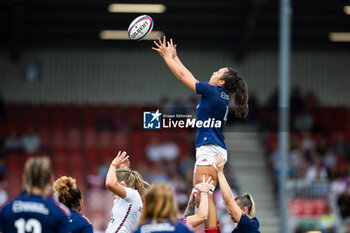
x=112, y=184
x=191, y=205
x=174, y=63
x=226, y=192
x=203, y=208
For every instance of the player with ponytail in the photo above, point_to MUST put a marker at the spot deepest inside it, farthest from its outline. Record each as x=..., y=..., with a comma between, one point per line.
x=238, y=90
x=160, y=211
x=241, y=208
x=34, y=210
x=213, y=105
x=69, y=194
x=128, y=186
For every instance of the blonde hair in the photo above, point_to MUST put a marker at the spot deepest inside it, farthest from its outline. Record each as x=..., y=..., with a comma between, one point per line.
x=159, y=204
x=132, y=179
x=246, y=200
x=67, y=192
x=37, y=172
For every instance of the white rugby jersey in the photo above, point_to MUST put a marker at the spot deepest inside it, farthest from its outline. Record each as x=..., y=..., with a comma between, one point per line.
x=126, y=212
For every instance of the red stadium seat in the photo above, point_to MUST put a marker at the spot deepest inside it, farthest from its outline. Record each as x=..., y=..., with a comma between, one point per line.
x=14, y=164
x=90, y=138
x=42, y=116
x=59, y=138
x=120, y=141
x=45, y=137
x=137, y=147
x=73, y=115
x=74, y=138
x=135, y=116
x=60, y=165
x=27, y=117
x=91, y=160
x=89, y=117
x=57, y=116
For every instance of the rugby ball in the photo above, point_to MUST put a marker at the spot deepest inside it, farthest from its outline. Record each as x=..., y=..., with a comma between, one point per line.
x=140, y=27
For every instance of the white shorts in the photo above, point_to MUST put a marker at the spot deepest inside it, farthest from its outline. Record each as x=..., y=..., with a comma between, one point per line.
x=206, y=155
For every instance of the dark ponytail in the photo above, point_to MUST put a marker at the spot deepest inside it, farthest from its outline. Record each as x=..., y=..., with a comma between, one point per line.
x=239, y=89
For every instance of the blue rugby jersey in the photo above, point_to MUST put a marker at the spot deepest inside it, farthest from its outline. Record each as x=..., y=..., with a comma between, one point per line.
x=247, y=225
x=78, y=223
x=213, y=105
x=164, y=227
x=32, y=213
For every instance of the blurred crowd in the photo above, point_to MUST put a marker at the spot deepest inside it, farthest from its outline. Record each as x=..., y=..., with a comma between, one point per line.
x=319, y=155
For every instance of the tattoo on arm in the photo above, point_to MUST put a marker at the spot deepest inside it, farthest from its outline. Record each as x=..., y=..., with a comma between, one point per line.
x=190, y=209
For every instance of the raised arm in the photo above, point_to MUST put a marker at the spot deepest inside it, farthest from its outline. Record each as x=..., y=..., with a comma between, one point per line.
x=226, y=192
x=202, y=213
x=191, y=205
x=112, y=184
x=170, y=57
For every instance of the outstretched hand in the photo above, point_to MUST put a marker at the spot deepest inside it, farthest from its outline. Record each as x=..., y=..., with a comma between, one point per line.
x=121, y=160
x=205, y=186
x=172, y=48
x=220, y=163
x=163, y=49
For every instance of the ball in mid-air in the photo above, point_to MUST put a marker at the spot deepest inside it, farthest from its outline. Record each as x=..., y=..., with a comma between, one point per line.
x=140, y=27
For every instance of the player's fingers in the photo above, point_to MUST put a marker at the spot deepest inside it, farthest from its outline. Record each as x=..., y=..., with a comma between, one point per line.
x=122, y=156
x=160, y=42
x=217, y=160
x=219, y=157
x=125, y=159
x=164, y=39
x=209, y=179
x=155, y=42
x=156, y=49
x=171, y=42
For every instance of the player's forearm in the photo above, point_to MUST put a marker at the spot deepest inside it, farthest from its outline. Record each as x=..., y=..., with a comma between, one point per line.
x=189, y=209
x=202, y=213
x=181, y=73
x=178, y=61
x=178, y=70
x=111, y=178
x=225, y=189
x=203, y=207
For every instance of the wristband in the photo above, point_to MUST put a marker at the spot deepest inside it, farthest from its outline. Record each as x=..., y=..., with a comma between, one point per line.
x=211, y=190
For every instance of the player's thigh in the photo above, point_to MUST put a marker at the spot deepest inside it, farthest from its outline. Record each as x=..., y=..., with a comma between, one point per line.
x=207, y=170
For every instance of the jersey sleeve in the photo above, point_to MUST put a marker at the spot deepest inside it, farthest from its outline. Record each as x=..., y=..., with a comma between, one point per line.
x=131, y=195
x=249, y=225
x=87, y=229
x=186, y=227
x=203, y=88
x=87, y=225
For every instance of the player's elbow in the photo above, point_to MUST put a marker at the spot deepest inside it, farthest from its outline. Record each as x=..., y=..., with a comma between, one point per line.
x=108, y=184
x=229, y=199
